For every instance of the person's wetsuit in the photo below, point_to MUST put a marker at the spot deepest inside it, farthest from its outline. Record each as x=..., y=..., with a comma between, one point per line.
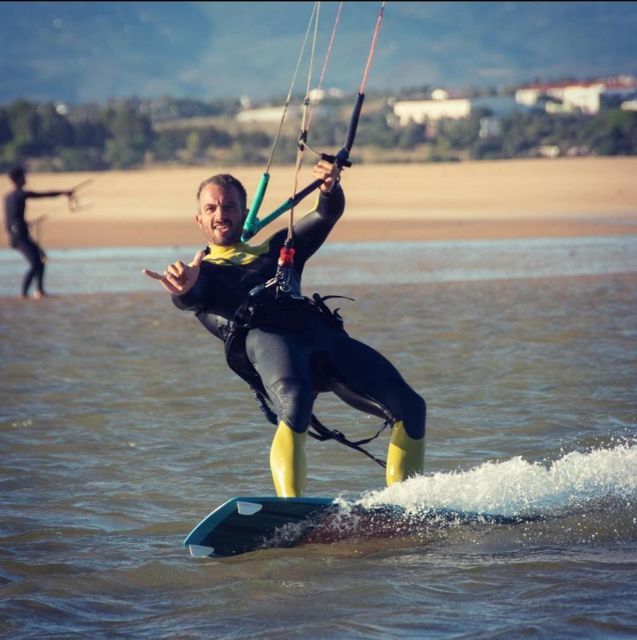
x=298, y=352
x=19, y=238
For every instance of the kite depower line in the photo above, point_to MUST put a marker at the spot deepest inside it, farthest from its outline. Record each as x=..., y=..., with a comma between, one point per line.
x=253, y=224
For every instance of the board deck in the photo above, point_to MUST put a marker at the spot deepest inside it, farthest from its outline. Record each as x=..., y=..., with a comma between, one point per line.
x=246, y=524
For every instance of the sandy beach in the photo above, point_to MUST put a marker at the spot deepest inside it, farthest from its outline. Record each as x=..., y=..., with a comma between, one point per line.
x=566, y=197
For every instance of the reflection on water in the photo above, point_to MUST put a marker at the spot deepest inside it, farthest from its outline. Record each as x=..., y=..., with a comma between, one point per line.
x=121, y=427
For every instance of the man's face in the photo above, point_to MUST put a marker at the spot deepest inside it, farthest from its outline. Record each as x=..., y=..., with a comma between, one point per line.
x=220, y=214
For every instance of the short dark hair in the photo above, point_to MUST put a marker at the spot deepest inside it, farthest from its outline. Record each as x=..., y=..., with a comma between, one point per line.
x=225, y=180
x=15, y=173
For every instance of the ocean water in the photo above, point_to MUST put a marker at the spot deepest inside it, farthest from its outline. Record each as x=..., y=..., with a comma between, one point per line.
x=121, y=427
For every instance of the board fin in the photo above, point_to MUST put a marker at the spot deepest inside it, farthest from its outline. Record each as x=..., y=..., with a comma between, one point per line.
x=248, y=508
x=200, y=551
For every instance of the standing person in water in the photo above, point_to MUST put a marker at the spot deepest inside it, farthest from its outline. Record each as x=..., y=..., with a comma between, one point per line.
x=288, y=347
x=18, y=229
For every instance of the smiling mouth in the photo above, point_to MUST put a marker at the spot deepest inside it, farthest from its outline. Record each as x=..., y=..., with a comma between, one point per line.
x=222, y=225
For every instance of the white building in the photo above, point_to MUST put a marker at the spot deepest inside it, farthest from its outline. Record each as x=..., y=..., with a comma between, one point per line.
x=563, y=97
x=586, y=97
x=317, y=95
x=440, y=106
x=274, y=114
x=490, y=127
x=265, y=114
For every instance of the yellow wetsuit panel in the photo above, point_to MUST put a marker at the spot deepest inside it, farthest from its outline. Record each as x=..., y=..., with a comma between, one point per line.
x=288, y=462
x=405, y=455
x=240, y=254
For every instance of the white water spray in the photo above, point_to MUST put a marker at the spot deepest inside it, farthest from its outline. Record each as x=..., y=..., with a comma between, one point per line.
x=517, y=487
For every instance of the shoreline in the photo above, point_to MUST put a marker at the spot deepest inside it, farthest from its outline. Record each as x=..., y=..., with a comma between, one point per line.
x=86, y=234
x=489, y=199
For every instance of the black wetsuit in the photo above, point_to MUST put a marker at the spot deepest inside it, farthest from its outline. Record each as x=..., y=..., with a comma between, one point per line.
x=19, y=238
x=298, y=353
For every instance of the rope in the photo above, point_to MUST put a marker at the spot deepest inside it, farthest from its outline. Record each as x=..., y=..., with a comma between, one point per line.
x=372, y=48
x=328, y=55
x=289, y=96
x=306, y=101
x=252, y=224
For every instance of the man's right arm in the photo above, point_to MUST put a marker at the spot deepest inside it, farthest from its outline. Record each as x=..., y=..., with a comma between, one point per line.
x=193, y=299
x=179, y=279
x=47, y=194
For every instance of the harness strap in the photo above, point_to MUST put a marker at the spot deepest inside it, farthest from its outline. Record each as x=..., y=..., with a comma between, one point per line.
x=324, y=433
x=320, y=432
x=319, y=301
x=234, y=339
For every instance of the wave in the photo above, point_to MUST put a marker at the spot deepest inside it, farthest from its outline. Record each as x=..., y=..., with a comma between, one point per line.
x=519, y=488
x=582, y=498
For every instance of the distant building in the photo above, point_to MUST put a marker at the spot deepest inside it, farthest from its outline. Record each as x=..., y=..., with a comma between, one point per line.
x=498, y=105
x=561, y=97
x=440, y=106
x=548, y=151
x=264, y=114
x=490, y=127
x=317, y=95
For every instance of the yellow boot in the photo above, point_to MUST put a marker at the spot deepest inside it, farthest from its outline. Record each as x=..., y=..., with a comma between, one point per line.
x=287, y=462
x=405, y=455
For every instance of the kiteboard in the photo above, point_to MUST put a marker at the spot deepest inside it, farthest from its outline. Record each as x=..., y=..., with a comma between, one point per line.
x=246, y=524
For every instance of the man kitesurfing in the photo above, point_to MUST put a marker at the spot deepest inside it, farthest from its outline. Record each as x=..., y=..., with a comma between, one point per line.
x=292, y=347
x=18, y=229
x=288, y=347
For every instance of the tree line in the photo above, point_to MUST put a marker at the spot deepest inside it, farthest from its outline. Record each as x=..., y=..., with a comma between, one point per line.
x=136, y=133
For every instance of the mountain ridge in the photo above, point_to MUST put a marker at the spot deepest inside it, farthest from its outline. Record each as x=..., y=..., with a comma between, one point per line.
x=90, y=52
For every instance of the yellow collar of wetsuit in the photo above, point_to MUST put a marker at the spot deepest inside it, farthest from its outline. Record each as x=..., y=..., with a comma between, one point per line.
x=240, y=253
